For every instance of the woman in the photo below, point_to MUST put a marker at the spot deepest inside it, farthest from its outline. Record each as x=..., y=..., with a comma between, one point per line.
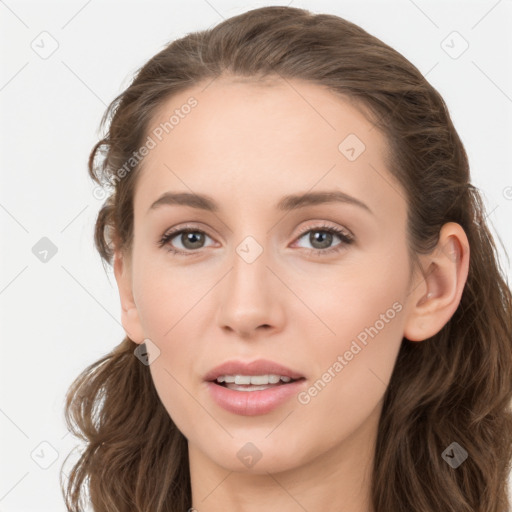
x=369, y=369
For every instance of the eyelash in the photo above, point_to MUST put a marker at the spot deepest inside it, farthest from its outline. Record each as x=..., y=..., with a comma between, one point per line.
x=346, y=239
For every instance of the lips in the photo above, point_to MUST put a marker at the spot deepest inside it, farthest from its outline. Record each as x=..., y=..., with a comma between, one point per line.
x=248, y=399
x=258, y=367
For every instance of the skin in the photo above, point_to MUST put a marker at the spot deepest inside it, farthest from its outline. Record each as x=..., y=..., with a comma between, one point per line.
x=247, y=145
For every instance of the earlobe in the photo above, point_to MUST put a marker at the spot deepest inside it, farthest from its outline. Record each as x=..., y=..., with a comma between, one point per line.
x=129, y=313
x=435, y=298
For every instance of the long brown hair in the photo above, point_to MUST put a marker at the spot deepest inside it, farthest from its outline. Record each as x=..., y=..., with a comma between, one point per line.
x=455, y=386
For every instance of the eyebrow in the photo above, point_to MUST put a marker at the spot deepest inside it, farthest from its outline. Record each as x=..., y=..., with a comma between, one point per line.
x=287, y=203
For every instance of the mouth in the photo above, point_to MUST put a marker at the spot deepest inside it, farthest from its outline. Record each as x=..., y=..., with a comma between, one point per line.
x=255, y=388
x=256, y=375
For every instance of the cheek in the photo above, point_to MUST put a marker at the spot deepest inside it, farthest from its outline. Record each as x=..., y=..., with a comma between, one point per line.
x=165, y=296
x=167, y=310
x=168, y=302
x=170, y=377
x=364, y=311
x=354, y=368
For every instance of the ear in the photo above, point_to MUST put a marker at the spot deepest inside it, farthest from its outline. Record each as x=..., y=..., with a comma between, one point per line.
x=129, y=314
x=435, y=297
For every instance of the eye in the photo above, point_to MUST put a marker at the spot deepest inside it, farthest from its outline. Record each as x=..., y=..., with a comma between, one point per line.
x=321, y=238
x=190, y=238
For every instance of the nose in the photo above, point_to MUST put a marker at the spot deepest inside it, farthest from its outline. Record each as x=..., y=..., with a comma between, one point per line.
x=250, y=301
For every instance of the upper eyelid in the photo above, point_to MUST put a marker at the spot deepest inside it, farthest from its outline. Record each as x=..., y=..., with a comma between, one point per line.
x=326, y=227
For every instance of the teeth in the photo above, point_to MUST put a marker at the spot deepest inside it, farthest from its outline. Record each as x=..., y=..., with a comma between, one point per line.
x=257, y=380
x=247, y=388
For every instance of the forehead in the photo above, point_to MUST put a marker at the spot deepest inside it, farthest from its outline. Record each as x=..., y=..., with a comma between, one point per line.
x=260, y=139
x=266, y=106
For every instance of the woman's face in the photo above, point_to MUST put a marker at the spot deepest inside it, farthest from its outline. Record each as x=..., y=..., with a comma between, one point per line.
x=272, y=271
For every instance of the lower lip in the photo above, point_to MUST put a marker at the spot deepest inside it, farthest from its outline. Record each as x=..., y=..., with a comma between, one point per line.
x=252, y=403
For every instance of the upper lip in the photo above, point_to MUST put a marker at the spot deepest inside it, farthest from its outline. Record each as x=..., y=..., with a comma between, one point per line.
x=258, y=367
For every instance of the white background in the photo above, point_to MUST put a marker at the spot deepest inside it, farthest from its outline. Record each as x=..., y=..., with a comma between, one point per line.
x=59, y=316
